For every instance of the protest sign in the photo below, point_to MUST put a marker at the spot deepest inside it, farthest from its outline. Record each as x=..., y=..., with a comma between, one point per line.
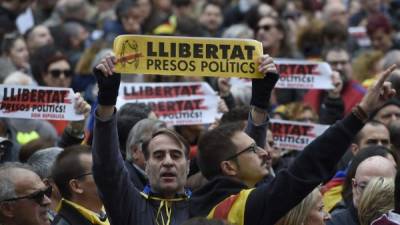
x=294, y=135
x=302, y=74
x=46, y=103
x=360, y=35
x=181, y=103
x=166, y=55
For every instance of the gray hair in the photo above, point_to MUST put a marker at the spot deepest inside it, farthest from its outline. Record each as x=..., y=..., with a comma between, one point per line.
x=19, y=78
x=7, y=186
x=390, y=58
x=141, y=132
x=42, y=161
x=238, y=31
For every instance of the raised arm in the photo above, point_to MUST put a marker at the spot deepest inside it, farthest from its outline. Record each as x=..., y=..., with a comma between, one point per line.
x=119, y=196
x=316, y=163
x=261, y=92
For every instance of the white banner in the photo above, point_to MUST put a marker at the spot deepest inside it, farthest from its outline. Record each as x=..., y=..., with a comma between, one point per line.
x=183, y=103
x=294, y=135
x=301, y=74
x=45, y=103
x=360, y=35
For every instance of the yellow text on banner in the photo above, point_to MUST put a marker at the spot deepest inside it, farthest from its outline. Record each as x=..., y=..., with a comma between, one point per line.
x=165, y=55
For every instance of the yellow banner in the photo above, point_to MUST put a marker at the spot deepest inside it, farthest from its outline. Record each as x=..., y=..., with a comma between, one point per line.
x=167, y=55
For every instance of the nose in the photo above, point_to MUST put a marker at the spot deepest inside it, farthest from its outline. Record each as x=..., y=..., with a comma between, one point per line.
x=46, y=201
x=327, y=216
x=168, y=161
x=264, y=153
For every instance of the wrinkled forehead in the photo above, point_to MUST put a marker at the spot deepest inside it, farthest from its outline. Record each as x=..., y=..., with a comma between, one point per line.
x=25, y=181
x=165, y=142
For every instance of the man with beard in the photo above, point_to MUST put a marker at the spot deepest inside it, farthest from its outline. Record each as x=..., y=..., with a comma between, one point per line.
x=352, y=92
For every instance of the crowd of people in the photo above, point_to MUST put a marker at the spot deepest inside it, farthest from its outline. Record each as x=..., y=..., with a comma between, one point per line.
x=123, y=165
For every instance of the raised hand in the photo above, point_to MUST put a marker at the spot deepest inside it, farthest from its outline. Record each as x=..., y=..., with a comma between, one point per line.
x=337, y=83
x=379, y=92
x=81, y=107
x=262, y=88
x=108, y=81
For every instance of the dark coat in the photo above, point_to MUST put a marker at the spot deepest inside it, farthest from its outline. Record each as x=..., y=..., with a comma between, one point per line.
x=68, y=215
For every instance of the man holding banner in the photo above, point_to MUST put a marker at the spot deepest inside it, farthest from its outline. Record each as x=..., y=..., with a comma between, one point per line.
x=165, y=201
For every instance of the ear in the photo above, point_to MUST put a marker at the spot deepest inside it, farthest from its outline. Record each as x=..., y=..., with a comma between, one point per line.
x=134, y=149
x=229, y=168
x=187, y=167
x=75, y=186
x=354, y=148
x=7, y=209
x=46, y=181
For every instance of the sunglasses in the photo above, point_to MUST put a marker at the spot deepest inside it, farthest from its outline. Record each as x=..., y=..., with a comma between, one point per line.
x=38, y=196
x=56, y=73
x=266, y=27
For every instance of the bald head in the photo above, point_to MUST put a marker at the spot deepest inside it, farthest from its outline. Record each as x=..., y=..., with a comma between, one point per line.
x=375, y=166
x=336, y=11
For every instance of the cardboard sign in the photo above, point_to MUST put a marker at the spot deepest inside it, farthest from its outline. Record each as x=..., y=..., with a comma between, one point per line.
x=360, y=35
x=166, y=55
x=295, y=135
x=301, y=74
x=45, y=103
x=183, y=103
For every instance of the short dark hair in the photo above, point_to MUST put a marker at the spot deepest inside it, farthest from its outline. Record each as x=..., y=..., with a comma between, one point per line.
x=239, y=113
x=215, y=146
x=335, y=33
x=360, y=134
x=41, y=59
x=123, y=6
x=170, y=133
x=67, y=166
x=334, y=48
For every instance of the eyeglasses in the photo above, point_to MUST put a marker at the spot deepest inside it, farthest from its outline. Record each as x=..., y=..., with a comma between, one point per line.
x=83, y=175
x=360, y=186
x=266, y=27
x=338, y=62
x=56, y=73
x=252, y=148
x=36, y=196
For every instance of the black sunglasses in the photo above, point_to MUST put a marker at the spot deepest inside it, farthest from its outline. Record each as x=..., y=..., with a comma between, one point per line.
x=36, y=196
x=56, y=73
x=266, y=27
x=252, y=148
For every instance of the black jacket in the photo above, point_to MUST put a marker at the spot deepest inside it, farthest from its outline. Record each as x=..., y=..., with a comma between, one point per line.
x=68, y=215
x=138, y=179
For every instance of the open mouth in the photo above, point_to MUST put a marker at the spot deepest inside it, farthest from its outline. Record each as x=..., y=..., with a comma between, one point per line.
x=168, y=176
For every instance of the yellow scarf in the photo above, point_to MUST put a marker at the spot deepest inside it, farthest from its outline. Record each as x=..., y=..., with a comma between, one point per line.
x=88, y=214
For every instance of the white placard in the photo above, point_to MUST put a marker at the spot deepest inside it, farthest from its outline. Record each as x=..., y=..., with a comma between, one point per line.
x=45, y=103
x=302, y=74
x=294, y=135
x=183, y=103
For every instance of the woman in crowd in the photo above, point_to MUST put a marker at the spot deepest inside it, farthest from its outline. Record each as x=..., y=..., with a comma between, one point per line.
x=14, y=50
x=308, y=212
x=377, y=199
